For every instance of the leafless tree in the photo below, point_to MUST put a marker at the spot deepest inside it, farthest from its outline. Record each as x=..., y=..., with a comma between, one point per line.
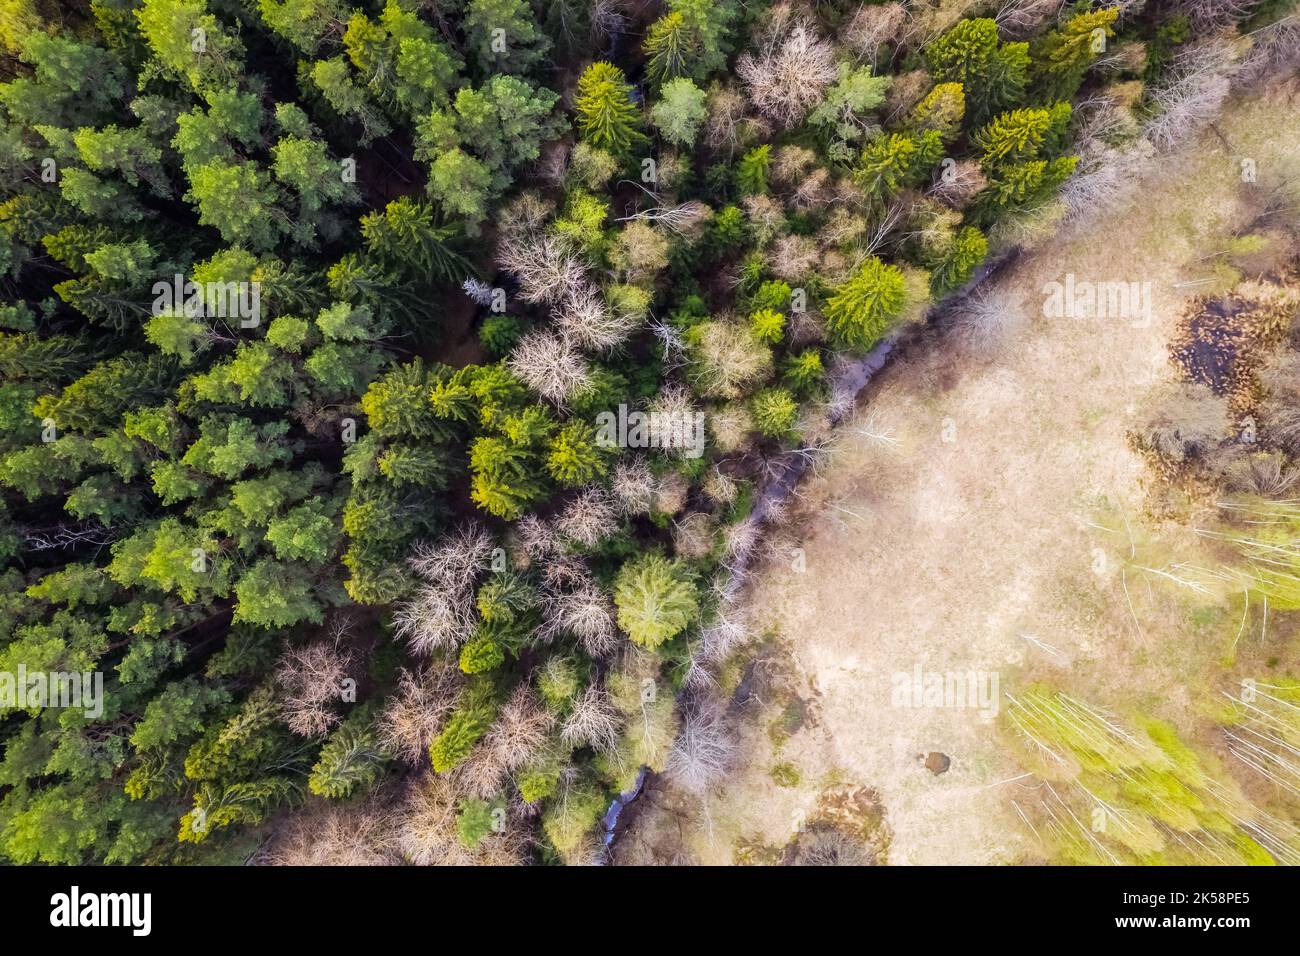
x=694, y=534
x=766, y=218
x=703, y=750
x=584, y=611
x=442, y=614
x=723, y=129
x=1022, y=19
x=589, y=518
x=959, y=183
x=790, y=74
x=593, y=722
x=584, y=319
x=793, y=257
x=426, y=824
x=547, y=267
x=457, y=559
x=1207, y=15
x=671, y=491
x=551, y=366
x=478, y=291
x=907, y=90
x=330, y=835
x=525, y=217
x=68, y=537
x=312, y=680
x=414, y=715
x=813, y=191
x=790, y=164
x=608, y=20
x=427, y=835
x=727, y=359
x=538, y=538
x=1092, y=192
x=873, y=28
x=518, y=733
x=1192, y=95
x=724, y=633
x=842, y=227
x=983, y=322
x=1273, y=47
x=673, y=415
x=732, y=427
x=565, y=572
x=634, y=485
x=684, y=219
x=721, y=487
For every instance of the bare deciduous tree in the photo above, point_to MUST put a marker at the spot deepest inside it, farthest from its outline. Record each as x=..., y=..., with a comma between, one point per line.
x=584, y=611
x=441, y=614
x=703, y=750
x=584, y=319
x=312, y=679
x=517, y=735
x=593, y=722
x=872, y=28
x=547, y=267
x=790, y=74
x=537, y=537
x=724, y=129
x=634, y=485
x=1022, y=19
x=793, y=257
x=984, y=322
x=414, y=715
x=958, y=183
x=1273, y=47
x=1197, y=83
x=331, y=835
x=1207, y=15
x=589, y=518
x=766, y=218
x=551, y=366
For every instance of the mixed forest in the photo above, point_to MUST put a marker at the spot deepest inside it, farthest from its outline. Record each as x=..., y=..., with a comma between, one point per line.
x=348, y=544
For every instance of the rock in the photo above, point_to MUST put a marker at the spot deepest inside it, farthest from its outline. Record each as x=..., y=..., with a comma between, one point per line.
x=937, y=763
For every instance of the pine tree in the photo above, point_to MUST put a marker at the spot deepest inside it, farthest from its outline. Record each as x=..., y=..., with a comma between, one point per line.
x=774, y=411
x=751, y=171
x=1061, y=57
x=993, y=77
x=351, y=759
x=656, y=600
x=958, y=262
x=861, y=311
x=607, y=117
x=470, y=720
x=671, y=48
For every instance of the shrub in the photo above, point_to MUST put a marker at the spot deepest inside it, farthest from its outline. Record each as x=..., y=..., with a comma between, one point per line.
x=500, y=333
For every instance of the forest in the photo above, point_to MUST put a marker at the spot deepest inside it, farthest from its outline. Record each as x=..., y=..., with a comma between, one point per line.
x=314, y=316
